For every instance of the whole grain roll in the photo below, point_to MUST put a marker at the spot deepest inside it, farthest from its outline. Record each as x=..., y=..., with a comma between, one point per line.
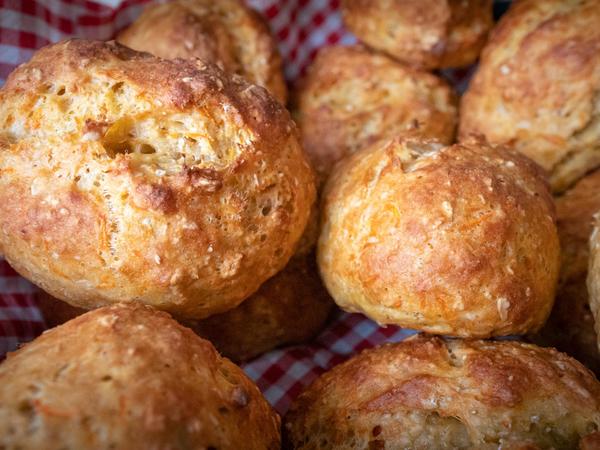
x=129, y=377
x=570, y=327
x=125, y=177
x=536, y=87
x=352, y=97
x=427, y=393
x=425, y=33
x=224, y=32
x=458, y=240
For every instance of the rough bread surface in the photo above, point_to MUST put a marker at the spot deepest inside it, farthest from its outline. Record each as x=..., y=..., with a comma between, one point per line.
x=351, y=97
x=458, y=240
x=425, y=33
x=224, y=32
x=537, y=86
x=427, y=393
x=128, y=177
x=129, y=377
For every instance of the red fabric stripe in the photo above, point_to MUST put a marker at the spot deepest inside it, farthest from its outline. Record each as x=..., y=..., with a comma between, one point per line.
x=37, y=9
x=22, y=39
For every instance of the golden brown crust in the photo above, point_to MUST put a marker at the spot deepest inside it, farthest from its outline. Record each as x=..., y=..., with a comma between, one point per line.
x=129, y=377
x=427, y=393
x=224, y=32
x=352, y=97
x=570, y=327
x=289, y=308
x=128, y=177
x=538, y=86
x=457, y=240
x=424, y=33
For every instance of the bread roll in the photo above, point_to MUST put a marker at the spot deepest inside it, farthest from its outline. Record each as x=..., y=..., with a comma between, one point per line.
x=224, y=32
x=352, y=97
x=424, y=33
x=129, y=377
x=427, y=393
x=570, y=327
x=457, y=240
x=125, y=177
x=537, y=87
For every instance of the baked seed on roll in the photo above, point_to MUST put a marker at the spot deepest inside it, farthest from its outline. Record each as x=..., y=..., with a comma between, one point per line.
x=125, y=177
x=570, y=327
x=536, y=87
x=224, y=32
x=129, y=377
x=352, y=97
x=458, y=240
x=431, y=34
x=428, y=393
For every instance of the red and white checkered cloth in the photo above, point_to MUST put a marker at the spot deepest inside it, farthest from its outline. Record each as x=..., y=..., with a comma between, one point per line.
x=301, y=28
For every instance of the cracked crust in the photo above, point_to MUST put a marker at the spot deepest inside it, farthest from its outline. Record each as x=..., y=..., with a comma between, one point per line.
x=538, y=86
x=430, y=393
x=570, y=327
x=224, y=32
x=352, y=97
x=430, y=34
x=457, y=240
x=129, y=177
x=129, y=377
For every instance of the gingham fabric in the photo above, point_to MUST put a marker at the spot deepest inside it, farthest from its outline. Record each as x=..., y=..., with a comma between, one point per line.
x=301, y=28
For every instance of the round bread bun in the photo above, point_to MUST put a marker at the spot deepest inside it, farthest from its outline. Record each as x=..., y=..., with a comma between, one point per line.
x=570, y=327
x=224, y=32
x=431, y=34
x=352, y=97
x=537, y=87
x=125, y=177
x=457, y=240
x=129, y=377
x=427, y=393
